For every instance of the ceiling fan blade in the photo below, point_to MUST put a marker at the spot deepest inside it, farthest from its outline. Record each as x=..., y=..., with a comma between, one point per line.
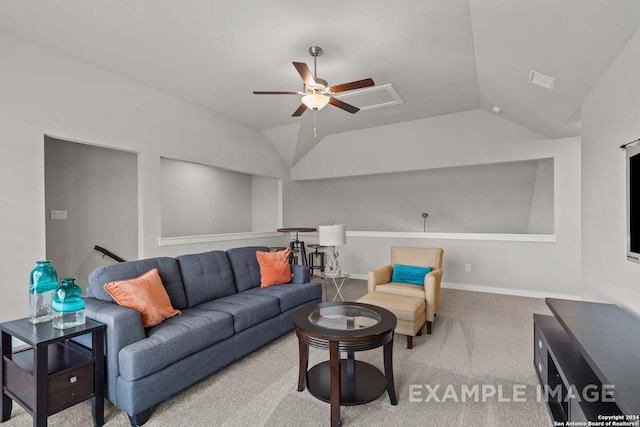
x=301, y=109
x=352, y=85
x=257, y=92
x=341, y=104
x=305, y=73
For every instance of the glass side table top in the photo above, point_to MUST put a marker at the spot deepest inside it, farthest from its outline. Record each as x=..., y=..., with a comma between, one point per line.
x=335, y=276
x=344, y=317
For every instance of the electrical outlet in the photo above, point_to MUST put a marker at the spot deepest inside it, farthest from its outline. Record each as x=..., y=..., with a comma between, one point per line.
x=58, y=214
x=467, y=268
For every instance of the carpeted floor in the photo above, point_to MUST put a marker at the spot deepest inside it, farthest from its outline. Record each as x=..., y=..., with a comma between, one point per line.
x=476, y=369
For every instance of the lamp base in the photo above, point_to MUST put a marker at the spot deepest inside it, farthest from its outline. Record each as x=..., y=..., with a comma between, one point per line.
x=332, y=268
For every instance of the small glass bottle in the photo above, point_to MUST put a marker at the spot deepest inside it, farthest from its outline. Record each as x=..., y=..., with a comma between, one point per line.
x=68, y=305
x=43, y=282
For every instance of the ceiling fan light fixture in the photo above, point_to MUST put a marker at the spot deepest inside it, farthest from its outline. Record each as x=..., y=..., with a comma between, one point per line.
x=315, y=101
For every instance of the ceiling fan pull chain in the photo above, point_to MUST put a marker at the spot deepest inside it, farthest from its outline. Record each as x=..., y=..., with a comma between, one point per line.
x=315, y=130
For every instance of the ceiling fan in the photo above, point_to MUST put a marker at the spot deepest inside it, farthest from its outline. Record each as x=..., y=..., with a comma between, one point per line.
x=316, y=92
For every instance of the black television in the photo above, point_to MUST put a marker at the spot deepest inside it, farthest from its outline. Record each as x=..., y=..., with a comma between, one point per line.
x=633, y=203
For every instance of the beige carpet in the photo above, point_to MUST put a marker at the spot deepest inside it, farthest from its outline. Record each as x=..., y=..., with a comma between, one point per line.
x=478, y=339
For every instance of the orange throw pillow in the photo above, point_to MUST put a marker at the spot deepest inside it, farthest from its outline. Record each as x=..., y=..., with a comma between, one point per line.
x=145, y=294
x=274, y=267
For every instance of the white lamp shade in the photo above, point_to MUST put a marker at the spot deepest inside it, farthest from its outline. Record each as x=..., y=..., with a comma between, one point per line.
x=315, y=101
x=333, y=235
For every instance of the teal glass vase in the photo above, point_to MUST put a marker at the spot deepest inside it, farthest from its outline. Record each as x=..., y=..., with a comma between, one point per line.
x=68, y=305
x=43, y=282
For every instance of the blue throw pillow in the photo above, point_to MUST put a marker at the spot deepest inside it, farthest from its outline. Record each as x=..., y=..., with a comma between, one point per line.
x=409, y=274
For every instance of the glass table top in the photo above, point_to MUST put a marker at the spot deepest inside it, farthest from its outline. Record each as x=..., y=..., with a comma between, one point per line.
x=344, y=317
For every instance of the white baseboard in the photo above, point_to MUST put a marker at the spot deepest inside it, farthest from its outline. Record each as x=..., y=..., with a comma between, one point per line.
x=494, y=290
x=507, y=291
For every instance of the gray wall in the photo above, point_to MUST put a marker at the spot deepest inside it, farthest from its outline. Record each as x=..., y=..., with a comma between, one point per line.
x=199, y=199
x=45, y=92
x=266, y=203
x=98, y=189
x=524, y=265
x=610, y=118
x=511, y=197
x=202, y=200
x=541, y=216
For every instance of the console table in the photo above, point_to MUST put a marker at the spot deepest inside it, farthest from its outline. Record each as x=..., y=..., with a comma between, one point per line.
x=587, y=357
x=53, y=373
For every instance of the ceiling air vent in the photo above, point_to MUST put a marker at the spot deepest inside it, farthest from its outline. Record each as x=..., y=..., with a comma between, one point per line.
x=543, y=80
x=372, y=97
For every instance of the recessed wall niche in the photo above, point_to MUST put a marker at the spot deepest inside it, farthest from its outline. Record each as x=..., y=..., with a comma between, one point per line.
x=510, y=197
x=200, y=199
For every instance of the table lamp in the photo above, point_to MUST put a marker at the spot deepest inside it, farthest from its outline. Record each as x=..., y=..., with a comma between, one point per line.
x=332, y=235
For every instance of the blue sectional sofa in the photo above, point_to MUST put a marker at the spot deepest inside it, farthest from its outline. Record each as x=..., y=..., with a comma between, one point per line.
x=225, y=316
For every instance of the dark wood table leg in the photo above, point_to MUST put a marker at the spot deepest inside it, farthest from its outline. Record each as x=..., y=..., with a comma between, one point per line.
x=334, y=363
x=41, y=385
x=304, y=361
x=7, y=403
x=388, y=371
x=97, y=402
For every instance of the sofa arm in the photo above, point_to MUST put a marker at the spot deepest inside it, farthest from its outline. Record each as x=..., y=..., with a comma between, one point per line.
x=301, y=274
x=123, y=327
x=432, y=292
x=379, y=277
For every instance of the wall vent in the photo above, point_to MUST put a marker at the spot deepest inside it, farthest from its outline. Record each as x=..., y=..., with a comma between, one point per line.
x=540, y=79
x=372, y=97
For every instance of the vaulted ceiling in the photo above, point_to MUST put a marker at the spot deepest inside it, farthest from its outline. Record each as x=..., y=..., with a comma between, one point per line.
x=440, y=56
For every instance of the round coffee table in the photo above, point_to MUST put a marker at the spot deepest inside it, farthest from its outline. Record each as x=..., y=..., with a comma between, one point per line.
x=345, y=327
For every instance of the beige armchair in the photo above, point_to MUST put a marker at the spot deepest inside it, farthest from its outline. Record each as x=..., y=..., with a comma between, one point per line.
x=379, y=281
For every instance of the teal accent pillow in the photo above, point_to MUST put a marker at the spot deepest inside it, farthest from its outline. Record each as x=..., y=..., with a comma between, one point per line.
x=409, y=274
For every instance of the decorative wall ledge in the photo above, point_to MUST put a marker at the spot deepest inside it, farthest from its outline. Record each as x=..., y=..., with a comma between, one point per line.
x=544, y=238
x=496, y=237
x=189, y=240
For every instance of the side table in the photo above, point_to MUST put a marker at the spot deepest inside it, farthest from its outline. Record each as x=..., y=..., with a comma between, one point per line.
x=54, y=373
x=337, y=282
x=345, y=327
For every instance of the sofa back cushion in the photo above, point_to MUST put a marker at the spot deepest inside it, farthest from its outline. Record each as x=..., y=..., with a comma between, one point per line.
x=167, y=268
x=246, y=271
x=206, y=276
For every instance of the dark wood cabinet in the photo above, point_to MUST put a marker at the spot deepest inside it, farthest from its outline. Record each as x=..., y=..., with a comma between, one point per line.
x=52, y=373
x=587, y=357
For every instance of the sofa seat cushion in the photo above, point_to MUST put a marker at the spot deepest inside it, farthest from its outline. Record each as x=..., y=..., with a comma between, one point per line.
x=404, y=289
x=172, y=340
x=291, y=295
x=247, y=309
x=206, y=276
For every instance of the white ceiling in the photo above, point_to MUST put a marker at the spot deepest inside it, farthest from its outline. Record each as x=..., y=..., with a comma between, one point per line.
x=441, y=56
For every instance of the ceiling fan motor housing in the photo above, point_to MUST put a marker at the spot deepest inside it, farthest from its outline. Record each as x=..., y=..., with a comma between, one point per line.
x=320, y=86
